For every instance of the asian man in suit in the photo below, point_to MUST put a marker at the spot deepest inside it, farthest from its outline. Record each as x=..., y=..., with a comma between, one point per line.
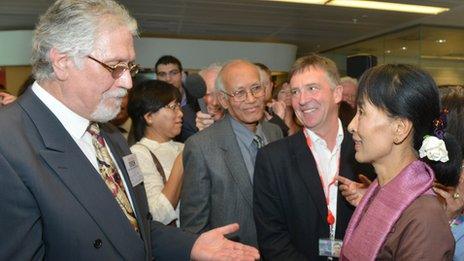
x=68, y=191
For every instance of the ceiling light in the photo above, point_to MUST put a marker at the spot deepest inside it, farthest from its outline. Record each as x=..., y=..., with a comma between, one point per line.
x=404, y=48
x=440, y=41
x=314, y=2
x=396, y=7
x=388, y=6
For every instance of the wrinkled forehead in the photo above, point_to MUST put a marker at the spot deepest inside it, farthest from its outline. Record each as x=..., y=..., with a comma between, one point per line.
x=241, y=75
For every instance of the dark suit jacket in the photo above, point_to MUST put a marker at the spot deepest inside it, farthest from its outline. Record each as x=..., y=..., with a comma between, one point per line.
x=217, y=188
x=55, y=205
x=290, y=209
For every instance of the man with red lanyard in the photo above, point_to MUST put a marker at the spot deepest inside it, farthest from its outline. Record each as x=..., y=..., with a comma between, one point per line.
x=298, y=210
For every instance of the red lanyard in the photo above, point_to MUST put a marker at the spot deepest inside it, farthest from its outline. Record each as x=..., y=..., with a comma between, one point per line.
x=330, y=216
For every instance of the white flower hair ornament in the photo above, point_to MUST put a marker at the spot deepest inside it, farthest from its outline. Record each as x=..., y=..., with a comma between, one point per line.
x=434, y=149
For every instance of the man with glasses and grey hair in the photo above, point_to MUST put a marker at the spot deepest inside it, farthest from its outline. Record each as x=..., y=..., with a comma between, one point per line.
x=219, y=160
x=69, y=188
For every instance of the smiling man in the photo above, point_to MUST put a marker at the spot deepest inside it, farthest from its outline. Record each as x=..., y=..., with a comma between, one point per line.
x=219, y=160
x=297, y=207
x=69, y=188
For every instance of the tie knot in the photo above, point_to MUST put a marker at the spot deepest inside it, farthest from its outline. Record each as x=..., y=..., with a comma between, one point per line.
x=258, y=141
x=93, y=129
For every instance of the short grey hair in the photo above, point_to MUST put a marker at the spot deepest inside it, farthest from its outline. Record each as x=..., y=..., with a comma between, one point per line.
x=348, y=79
x=72, y=27
x=212, y=67
x=219, y=84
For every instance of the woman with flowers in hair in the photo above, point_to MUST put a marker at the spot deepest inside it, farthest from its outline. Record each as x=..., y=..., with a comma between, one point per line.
x=398, y=129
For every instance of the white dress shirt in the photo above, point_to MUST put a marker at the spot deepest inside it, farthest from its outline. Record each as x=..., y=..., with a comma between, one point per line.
x=327, y=162
x=166, y=153
x=76, y=126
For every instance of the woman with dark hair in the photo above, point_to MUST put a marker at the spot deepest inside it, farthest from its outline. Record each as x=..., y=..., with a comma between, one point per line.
x=453, y=103
x=156, y=119
x=399, y=130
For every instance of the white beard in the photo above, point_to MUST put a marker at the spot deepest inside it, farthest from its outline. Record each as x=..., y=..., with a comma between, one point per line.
x=109, y=105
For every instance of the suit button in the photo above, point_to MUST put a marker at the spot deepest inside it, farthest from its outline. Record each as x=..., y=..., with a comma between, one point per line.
x=149, y=216
x=97, y=243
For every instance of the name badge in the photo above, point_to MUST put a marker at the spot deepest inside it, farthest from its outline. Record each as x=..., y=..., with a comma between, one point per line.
x=132, y=167
x=330, y=248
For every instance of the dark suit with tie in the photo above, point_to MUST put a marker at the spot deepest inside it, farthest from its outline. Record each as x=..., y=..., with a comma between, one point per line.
x=55, y=205
x=290, y=208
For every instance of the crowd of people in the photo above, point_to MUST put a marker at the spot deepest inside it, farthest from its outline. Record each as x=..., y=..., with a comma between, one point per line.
x=96, y=164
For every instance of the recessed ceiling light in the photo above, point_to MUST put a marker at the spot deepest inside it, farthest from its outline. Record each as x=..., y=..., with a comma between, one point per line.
x=404, y=48
x=440, y=41
x=388, y=51
x=396, y=7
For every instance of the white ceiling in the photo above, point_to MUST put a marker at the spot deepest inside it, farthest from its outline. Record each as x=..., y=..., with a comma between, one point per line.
x=310, y=27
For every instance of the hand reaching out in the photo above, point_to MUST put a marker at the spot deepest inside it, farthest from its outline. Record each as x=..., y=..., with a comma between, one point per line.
x=352, y=190
x=212, y=245
x=454, y=202
x=203, y=120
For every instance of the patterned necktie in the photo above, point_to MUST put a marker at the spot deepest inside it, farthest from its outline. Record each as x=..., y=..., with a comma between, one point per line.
x=258, y=141
x=110, y=175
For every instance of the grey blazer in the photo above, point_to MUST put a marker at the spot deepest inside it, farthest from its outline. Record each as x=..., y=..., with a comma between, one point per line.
x=54, y=204
x=217, y=189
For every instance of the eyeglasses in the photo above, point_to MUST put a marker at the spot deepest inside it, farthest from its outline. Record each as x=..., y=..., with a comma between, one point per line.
x=241, y=95
x=173, y=107
x=165, y=74
x=118, y=70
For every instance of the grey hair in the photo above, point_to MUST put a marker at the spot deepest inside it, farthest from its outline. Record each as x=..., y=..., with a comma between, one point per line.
x=348, y=79
x=72, y=27
x=212, y=67
x=219, y=84
x=263, y=76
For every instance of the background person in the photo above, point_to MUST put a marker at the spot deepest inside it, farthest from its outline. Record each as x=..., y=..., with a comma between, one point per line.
x=157, y=118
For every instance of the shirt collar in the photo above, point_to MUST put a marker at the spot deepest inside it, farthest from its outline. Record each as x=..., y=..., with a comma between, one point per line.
x=316, y=139
x=243, y=133
x=74, y=124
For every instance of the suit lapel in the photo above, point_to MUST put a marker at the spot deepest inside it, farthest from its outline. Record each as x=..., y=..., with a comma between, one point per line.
x=234, y=159
x=118, y=154
x=73, y=168
x=306, y=163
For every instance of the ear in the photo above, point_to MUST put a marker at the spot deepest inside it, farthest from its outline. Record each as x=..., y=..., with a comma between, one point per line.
x=402, y=130
x=60, y=63
x=223, y=100
x=338, y=93
x=148, y=118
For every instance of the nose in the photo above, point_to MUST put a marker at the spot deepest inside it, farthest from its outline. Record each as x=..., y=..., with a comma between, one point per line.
x=353, y=124
x=125, y=81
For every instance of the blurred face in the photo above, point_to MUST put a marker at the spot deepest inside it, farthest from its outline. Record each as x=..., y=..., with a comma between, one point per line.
x=315, y=100
x=268, y=85
x=91, y=91
x=285, y=95
x=349, y=93
x=170, y=73
x=211, y=98
x=373, y=133
x=166, y=123
x=239, y=76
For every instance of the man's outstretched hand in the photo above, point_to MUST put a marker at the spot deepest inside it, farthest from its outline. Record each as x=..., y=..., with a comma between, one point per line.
x=212, y=245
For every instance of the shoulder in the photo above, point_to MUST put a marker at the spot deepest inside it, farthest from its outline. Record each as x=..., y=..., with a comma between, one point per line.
x=286, y=144
x=426, y=213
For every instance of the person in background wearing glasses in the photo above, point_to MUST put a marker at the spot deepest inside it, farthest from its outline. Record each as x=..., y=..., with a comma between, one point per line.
x=69, y=187
x=157, y=118
x=298, y=209
x=169, y=69
x=219, y=160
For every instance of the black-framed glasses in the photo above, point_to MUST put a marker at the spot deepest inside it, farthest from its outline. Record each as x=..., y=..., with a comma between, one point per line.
x=173, y=106
x=241, y=95
x=118, y=69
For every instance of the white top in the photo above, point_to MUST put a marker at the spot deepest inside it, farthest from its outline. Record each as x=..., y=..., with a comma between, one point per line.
x=328, y=165
x=166, y=153
x=76, y=126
